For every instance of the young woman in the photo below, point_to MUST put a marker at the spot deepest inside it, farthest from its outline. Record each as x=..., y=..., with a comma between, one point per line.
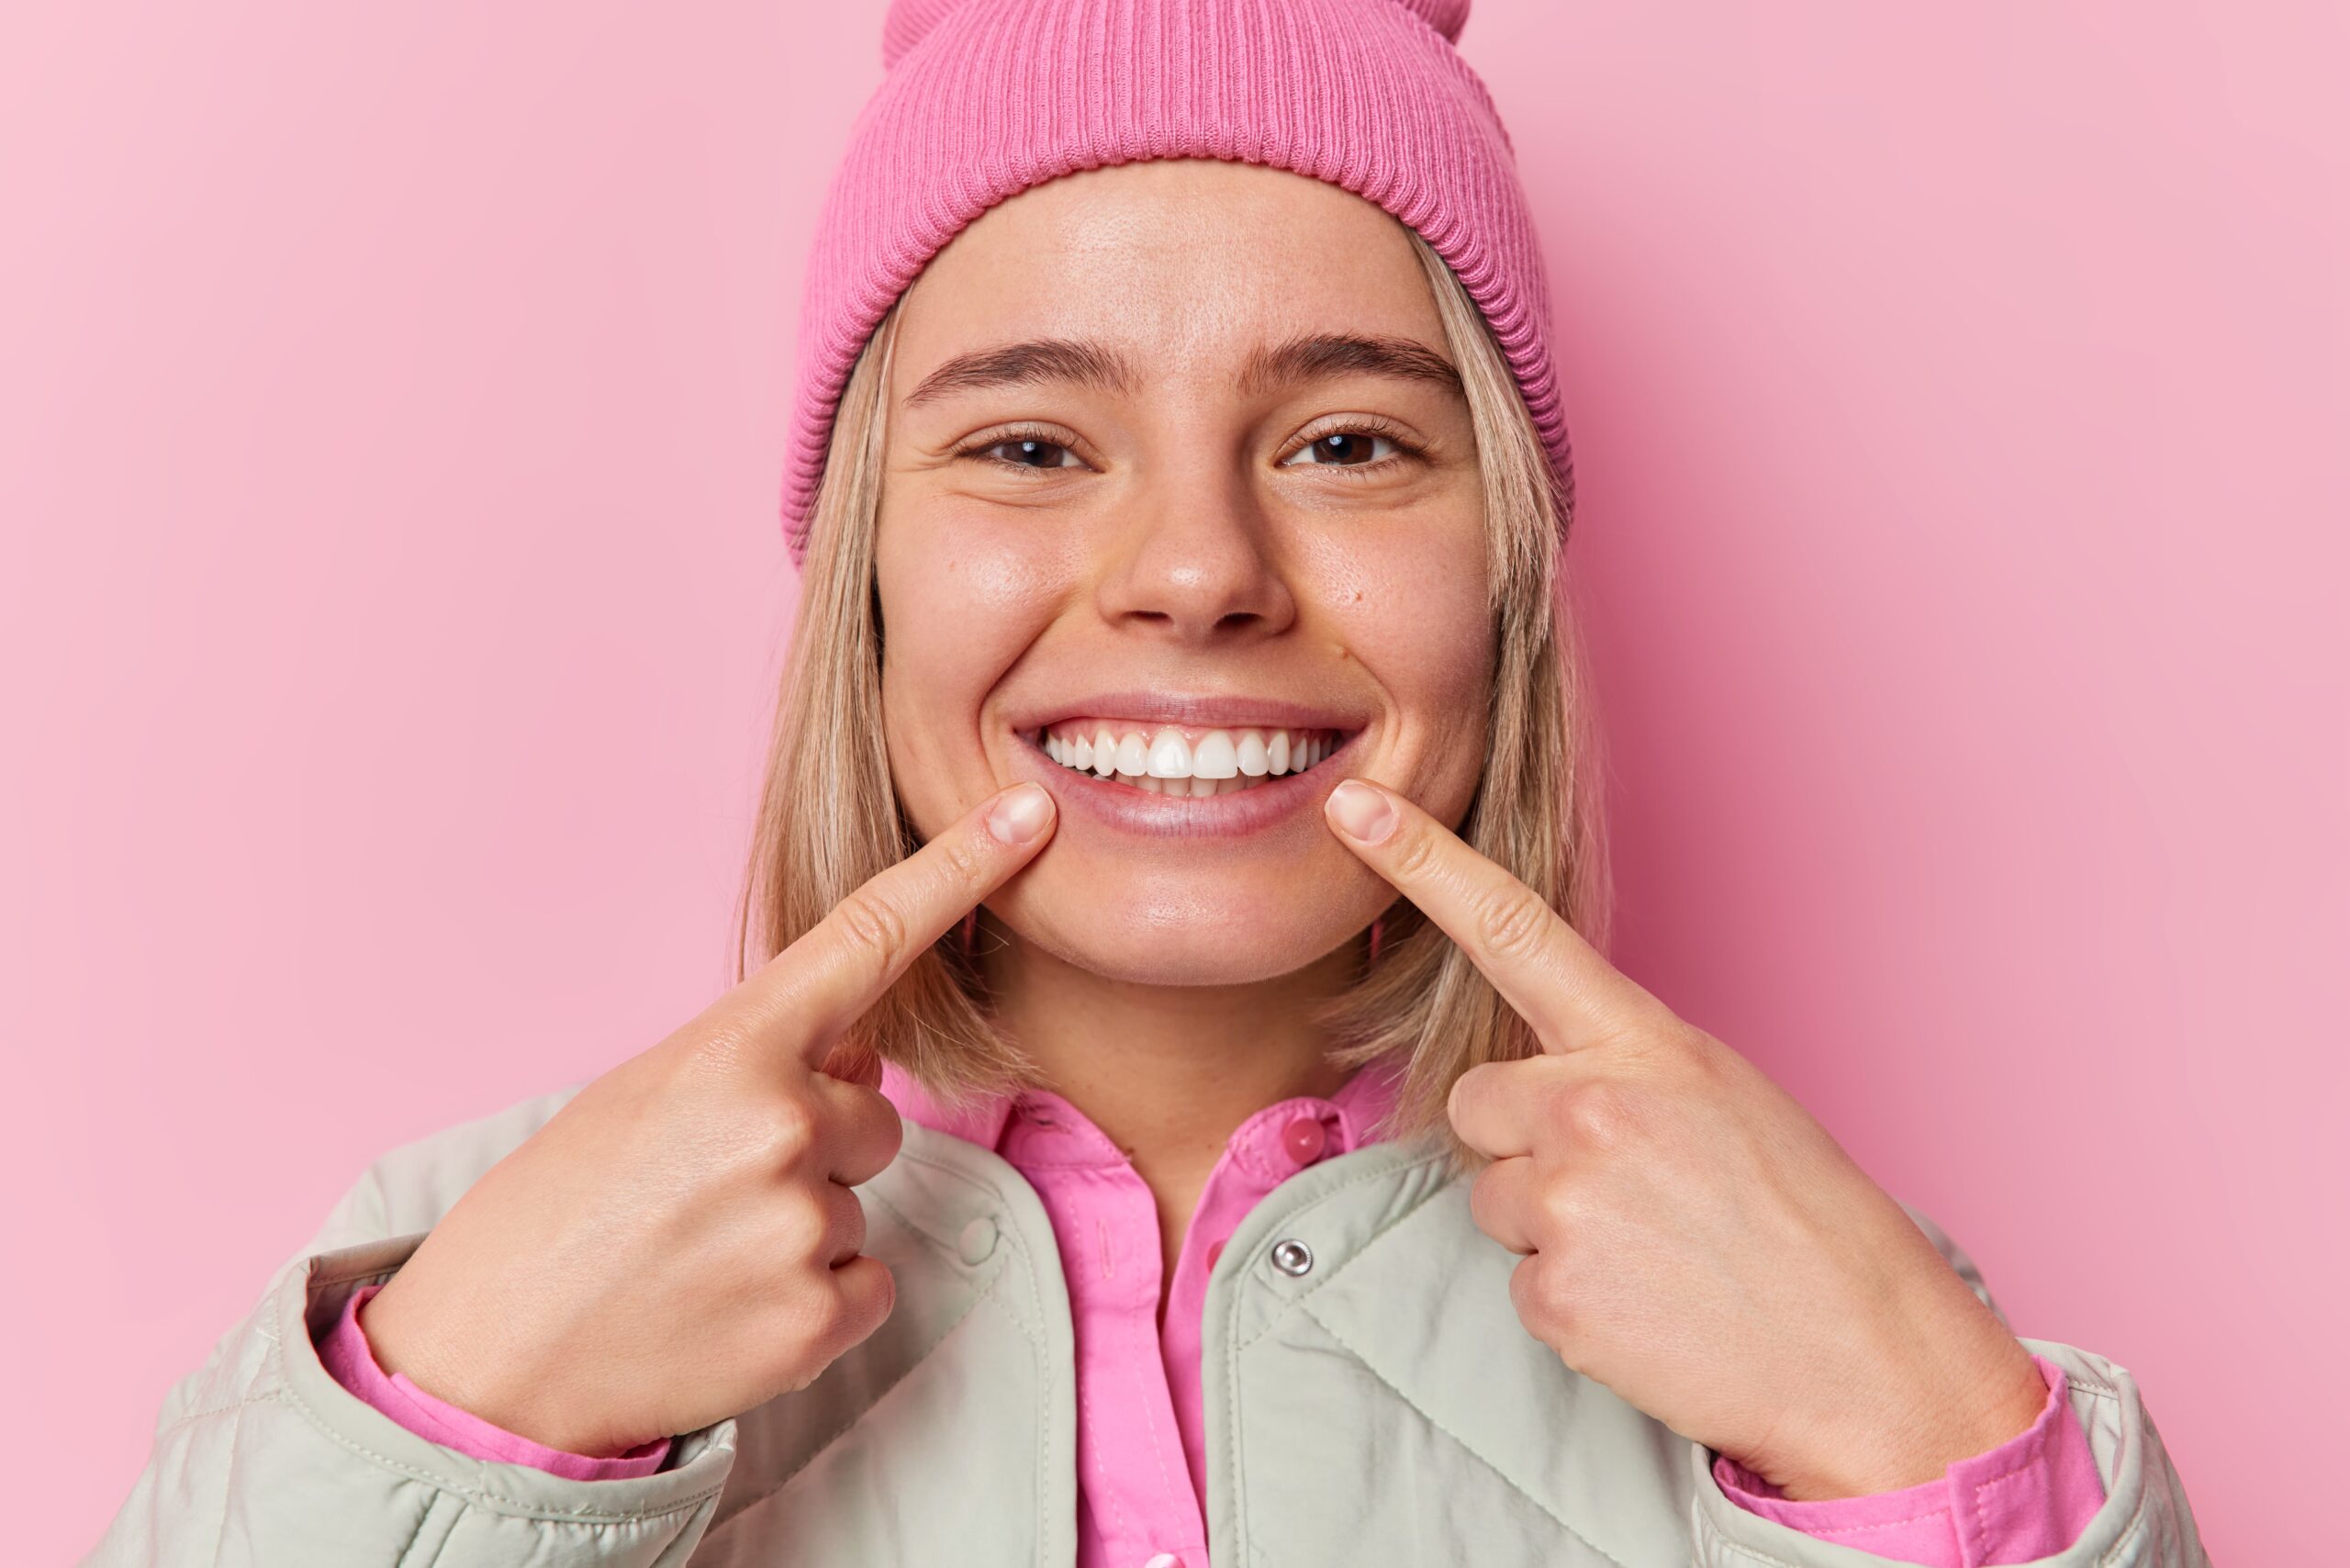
x=1175, y=1110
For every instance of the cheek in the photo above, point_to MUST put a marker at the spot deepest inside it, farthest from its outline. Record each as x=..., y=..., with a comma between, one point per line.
x=1438, y=651
x=1417, y=618
x=953, y=619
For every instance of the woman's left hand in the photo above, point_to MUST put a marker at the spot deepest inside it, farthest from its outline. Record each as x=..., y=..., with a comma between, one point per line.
x=1694, y=1238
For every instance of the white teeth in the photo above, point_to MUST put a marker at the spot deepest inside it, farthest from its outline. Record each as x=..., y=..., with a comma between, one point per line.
x=1170, y=756
x=1161, y=761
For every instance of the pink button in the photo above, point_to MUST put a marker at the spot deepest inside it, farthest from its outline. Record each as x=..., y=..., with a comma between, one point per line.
x=1215, y=1251
x=1305, y=1139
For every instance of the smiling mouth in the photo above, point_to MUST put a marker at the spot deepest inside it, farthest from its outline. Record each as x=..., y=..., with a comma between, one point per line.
x=1180, y=759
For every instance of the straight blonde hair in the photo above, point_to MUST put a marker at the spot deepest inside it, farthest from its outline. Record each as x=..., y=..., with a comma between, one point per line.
x=829, y=820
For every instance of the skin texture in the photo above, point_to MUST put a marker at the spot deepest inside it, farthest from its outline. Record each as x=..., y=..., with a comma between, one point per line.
x=680, y=1243
x=1180, y=537
x=1692, y=1238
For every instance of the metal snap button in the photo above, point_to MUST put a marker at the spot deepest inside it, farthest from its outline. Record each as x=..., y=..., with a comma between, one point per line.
x=978, y=1242
x=1292, y=1256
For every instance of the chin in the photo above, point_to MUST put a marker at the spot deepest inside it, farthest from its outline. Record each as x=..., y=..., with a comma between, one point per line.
x=1180, y=930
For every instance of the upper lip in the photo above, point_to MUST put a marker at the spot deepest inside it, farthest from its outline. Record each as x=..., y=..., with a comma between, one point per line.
x=1210, y=710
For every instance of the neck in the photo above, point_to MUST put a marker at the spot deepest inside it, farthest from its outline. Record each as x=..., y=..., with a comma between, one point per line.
x=1167, y=1072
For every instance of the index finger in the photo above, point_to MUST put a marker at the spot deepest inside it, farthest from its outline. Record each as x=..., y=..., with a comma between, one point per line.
x=846, y=961
x=1557, y=981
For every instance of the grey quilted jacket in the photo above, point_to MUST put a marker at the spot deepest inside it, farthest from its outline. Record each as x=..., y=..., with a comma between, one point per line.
x=1384, y=1407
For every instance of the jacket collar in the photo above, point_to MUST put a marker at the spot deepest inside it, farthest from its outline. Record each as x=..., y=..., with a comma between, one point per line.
x=1361, y=1106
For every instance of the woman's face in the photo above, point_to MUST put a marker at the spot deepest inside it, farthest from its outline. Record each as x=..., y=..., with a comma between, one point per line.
x=1178, y=469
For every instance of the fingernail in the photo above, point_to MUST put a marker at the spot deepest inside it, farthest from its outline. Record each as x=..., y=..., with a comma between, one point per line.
x=1361, y=812
x=1021, y=815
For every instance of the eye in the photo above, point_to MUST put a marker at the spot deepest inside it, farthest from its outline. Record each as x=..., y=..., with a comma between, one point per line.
x=1026, y=449
x=1352, y=448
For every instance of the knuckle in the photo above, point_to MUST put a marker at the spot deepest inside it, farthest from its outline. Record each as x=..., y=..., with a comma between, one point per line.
x=1600, y=1115
x=790, y=1131
x=1416, y=858
x=871, y=924
x=1566, y=1213
x=1512, y=920
x=965, y=856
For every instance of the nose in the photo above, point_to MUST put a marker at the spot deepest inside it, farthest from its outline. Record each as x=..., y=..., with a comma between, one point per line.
x=1195, y=564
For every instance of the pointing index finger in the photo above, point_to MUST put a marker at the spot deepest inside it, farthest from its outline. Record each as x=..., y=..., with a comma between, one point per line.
x=1557, y=981
x=848, y=960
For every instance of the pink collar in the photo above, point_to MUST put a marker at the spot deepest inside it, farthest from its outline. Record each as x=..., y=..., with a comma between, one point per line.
x=1358, y=1106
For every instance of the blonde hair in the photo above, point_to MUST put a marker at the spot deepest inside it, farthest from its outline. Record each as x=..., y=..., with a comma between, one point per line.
x=829, y=821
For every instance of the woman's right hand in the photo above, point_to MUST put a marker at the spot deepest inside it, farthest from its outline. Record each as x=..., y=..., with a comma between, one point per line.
x=678, y=1243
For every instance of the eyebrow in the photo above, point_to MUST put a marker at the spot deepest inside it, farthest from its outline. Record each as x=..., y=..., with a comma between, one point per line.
x=1081, y=362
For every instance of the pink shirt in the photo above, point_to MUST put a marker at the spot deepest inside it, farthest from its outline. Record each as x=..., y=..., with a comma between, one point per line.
x=1141, y=1445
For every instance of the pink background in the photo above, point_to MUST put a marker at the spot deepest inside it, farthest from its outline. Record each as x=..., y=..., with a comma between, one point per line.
x=389, y=439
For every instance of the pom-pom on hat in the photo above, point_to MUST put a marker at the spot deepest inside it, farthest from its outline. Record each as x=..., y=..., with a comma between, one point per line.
x=985, y=99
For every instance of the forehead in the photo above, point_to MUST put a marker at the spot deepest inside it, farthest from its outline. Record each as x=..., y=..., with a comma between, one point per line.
x=1188, y=264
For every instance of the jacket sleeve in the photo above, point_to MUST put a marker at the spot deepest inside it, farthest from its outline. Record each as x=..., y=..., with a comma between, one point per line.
x=2144, y=1521
x=352, y=1361
x=2026, y=1497
x=261, y=1459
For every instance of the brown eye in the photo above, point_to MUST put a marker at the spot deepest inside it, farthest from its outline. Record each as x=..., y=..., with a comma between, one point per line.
x=1020, y=452
x=1352, y=449
x=1343, y=449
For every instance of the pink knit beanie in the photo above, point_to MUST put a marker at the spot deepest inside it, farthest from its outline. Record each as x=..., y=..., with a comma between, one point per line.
x=985, y=99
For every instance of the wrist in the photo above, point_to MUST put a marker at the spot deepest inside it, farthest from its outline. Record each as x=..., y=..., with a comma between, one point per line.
x=404, y=1352
x=1933, y=1424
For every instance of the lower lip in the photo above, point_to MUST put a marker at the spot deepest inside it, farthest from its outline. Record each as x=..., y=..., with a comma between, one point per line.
x=1128, y=810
